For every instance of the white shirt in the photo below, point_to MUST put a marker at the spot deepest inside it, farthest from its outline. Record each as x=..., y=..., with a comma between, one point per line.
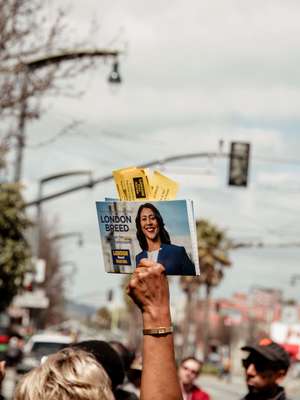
x=153, y=255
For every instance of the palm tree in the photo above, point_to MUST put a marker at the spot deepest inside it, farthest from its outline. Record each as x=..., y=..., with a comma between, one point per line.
x=213, y=246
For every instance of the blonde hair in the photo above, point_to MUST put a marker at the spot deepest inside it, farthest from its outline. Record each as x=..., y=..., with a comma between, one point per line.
x=70, y=374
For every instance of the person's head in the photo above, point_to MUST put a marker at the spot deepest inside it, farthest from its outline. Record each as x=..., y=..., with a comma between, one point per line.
x=135, y=371
x=189, y=369
x=106, y=356
x=127, y=356
x=66, y=375
x=150, y=226
x=267, y=363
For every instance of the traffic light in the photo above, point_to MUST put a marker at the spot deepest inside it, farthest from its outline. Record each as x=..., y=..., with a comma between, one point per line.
x=239, y=164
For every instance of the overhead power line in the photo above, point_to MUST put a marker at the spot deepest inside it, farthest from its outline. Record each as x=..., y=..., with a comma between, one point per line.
x=259, y=244
x=277, y=160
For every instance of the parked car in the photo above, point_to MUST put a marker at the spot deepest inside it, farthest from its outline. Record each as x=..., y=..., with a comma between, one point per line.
x=39, y=346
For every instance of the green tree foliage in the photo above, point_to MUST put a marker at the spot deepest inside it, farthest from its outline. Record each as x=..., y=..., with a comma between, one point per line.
x=213, y=247
x=14, y=249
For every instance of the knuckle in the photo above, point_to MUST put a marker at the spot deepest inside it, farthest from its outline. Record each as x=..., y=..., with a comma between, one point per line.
x=132, y=284
x=160, y=269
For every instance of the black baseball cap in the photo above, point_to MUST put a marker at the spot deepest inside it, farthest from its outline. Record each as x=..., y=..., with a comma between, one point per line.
x=271, y=351
x=107, y=357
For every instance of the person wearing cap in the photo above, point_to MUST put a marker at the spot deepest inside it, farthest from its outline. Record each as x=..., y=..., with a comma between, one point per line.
x=265, y=367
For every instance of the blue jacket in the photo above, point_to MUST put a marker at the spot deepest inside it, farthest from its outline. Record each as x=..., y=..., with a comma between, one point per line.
x=173, y=258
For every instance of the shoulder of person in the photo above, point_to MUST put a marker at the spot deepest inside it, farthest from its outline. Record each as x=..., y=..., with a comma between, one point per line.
x=281, y=395
x=139, y=255
x=173, y=247
x=199, y=394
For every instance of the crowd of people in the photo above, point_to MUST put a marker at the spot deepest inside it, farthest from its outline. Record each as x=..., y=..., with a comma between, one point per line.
x=97, y=370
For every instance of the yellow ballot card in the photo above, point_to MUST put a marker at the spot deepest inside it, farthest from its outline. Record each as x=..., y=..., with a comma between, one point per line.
x=132, y=184
x=117, y=177
x=117, y=174
x=162, y=187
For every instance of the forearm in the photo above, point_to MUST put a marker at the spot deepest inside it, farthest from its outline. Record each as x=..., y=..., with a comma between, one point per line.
x=159, y=378
x=149, y=289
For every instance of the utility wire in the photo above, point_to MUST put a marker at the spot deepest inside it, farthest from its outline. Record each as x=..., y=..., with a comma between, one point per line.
x=277, y=160
x=239, y=245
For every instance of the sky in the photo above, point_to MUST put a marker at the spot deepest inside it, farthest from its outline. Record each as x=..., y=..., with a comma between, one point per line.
x=194, y=73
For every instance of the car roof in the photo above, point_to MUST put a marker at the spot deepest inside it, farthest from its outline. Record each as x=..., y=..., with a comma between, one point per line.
x=51, y=337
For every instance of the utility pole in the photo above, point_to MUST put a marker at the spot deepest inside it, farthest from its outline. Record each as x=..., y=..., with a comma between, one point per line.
x=21, y=128
x=27, y=67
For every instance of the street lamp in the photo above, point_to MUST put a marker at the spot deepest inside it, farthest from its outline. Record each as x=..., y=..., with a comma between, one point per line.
x=114, y=76
x=39, y=203
x=27, y=67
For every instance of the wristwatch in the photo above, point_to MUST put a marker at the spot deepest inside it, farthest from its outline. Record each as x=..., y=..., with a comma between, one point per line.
x=160, y=331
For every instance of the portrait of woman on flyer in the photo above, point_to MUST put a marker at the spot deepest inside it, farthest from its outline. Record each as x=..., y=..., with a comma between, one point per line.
x=156, y=245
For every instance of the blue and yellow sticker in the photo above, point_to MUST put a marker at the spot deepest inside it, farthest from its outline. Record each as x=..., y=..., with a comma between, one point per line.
x=121, y=257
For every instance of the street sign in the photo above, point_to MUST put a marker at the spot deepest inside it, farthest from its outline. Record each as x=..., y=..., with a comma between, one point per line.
x=239, y=163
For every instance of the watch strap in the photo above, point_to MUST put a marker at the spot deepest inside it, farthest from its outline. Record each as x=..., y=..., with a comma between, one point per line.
x=160, y=331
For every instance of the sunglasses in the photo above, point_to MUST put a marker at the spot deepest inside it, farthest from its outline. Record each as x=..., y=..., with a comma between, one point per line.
x=260, y=364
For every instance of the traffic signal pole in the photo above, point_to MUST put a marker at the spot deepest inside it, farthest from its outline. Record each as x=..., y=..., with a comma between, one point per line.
x=107, y=178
